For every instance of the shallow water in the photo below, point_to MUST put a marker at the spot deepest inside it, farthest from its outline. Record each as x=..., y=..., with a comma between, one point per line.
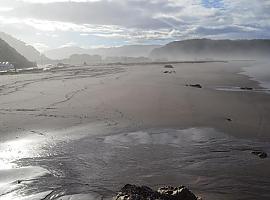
x=238, y=89
x=259, y=71
x=212, y=164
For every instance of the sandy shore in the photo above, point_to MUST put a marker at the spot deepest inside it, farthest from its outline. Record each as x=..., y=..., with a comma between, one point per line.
x=133, y=97
x=83, y=132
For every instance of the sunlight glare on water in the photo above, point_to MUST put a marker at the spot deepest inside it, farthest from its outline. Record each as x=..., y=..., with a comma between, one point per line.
x=11, y=173
x=16, y=149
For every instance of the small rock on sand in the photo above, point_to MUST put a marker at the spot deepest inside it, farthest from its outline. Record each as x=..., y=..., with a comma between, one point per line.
x=246, y=88
x=194, y=85
x=169, y=72
x=168, y=66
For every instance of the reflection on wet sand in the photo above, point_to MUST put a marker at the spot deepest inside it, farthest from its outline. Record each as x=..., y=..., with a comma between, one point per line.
x=12, y=176
x=204, y=159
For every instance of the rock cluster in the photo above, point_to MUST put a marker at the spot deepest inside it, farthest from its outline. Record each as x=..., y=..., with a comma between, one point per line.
x=169, y=72
x=246, y=88
x=133, y=192
x=260, y=154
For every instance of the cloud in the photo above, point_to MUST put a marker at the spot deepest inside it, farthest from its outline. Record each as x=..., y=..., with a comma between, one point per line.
x=136, y=21
x=121, y=13
x=69, y=44
x=55, y=1
x=5, y=9
x=41, y=46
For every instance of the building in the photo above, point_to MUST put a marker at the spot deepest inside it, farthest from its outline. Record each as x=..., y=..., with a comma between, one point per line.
x=5, y=66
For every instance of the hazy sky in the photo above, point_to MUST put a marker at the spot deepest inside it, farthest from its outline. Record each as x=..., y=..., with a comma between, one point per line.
x=50, y=24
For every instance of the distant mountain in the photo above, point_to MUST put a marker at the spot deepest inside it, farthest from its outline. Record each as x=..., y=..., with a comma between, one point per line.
x=9, y=54
x=80, y=59
x=213, y=49
x=64, y=52
x=124, y=59
x=85, y=59
x=125, y=51
x=27, y=51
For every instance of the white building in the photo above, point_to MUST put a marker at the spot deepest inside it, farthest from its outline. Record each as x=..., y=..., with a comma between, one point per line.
x=4, y=66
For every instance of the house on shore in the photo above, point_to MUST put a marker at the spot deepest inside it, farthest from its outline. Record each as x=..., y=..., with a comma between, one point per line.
x=6, y=66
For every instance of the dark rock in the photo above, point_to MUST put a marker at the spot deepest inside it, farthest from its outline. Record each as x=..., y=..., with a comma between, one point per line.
x=169, y=72
x=260, y=154
x=133, y=192
x=177, y=193
x=195, y=85
x=229, y=119
x=246, y=88
x=168, y=66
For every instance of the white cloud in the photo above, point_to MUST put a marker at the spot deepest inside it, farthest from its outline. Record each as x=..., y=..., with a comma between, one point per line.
x=69, y=44
x=41, y=46
x=136, y=20
x=55, y=1
x=5, y=9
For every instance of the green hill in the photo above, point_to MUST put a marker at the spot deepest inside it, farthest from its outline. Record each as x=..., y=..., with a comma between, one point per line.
x=216, y=49
x=28, y=51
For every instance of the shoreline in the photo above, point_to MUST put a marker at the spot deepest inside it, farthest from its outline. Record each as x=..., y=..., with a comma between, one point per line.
x=124, y=109
x=103, y=125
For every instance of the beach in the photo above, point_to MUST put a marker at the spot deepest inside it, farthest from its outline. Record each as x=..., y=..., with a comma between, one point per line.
x=83, y=132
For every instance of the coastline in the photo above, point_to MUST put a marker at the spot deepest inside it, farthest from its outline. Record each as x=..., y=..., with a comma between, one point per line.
x=147, y=97
x=86, y=117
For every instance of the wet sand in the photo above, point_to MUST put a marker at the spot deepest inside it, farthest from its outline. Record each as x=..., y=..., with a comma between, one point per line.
x=83, y=119
x=134, y=97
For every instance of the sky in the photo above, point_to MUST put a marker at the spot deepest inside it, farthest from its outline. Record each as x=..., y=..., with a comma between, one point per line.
x=49, y=24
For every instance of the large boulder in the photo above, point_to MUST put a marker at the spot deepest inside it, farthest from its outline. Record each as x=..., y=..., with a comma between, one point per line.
x=133, y=192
